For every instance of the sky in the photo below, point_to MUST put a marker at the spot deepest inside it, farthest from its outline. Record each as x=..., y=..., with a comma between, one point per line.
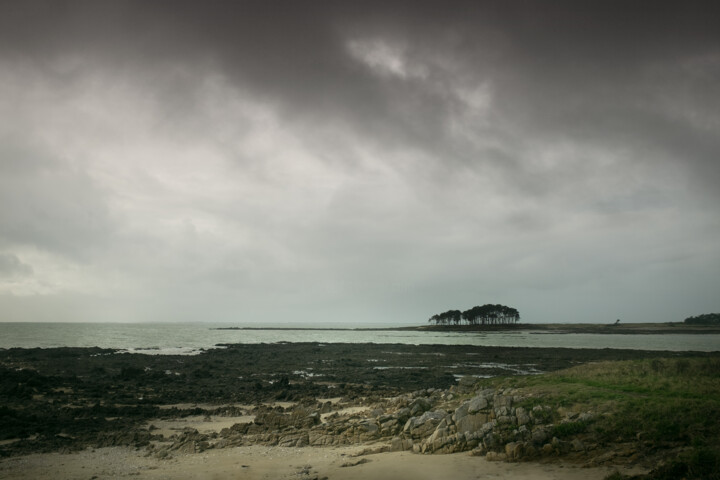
x=358, y=162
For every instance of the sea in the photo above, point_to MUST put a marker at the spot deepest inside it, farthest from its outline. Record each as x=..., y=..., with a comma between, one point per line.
x=193, y=338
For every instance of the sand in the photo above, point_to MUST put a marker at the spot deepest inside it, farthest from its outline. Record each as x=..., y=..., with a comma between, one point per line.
x=260, y=462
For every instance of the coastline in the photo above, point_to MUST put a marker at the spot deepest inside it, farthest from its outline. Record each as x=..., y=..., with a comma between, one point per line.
x=557, y=328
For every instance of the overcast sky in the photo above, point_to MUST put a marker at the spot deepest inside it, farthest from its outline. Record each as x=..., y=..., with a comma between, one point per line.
x=306, y=161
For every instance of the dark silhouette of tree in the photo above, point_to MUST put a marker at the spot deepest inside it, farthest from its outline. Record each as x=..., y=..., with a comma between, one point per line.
x=705, y=319
x=488, y=314
x=446, y=318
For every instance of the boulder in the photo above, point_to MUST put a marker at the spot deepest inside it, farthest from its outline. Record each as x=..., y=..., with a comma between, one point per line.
x=398, y=444
x=539, y=436
x=514, y=450
x=424, y=425
x=476, y=404
x=471, y=423
x=522, y=416
x=419, y=406
x=478, y=451
x=495, y=457
x=560, y=446
x=402, y=415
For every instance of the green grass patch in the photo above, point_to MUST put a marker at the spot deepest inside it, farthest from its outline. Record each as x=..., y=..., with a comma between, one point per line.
x=569, y=429
x=696, y=464
x=663, y=402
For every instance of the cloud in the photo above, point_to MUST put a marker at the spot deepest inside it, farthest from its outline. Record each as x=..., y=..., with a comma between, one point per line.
x=11, y=266
x=317, y=161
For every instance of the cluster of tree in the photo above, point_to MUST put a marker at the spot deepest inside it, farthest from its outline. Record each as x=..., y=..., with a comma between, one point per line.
x=485, y=315
x=705, y=319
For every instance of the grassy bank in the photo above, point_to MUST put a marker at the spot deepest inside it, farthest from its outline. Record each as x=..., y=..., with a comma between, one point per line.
x=666, y=410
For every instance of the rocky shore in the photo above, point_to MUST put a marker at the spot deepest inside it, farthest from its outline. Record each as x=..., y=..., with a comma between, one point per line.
x=427, y=399
x=466, y=418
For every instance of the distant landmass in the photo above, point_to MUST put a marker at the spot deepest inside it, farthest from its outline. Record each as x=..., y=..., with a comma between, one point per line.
x=557, y=328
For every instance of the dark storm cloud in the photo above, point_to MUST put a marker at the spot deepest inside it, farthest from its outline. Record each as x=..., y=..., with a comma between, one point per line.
x=555, y=65
x=380, y=148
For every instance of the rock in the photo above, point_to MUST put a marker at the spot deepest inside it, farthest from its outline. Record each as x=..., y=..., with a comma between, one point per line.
x=514, y=450
x=294, y=440
x=560, y=446
x=495, y=457
x=501, y=411
x=402, y=415
x=476, y=404
x=389, y=427
x=369, y=426
x=490, y=441
x=530, y=451
x=358, y=462
x=423, y=426
x=313, y=419
x=504, y=420
x=577, y=445
x=437, y=439
x=471, y=423
x=398, y=444
x=539, y=436
x=419, y=406
x=585, y=417
x=502, y=401
x=488, y=393
x=478, y=451
x=522, y=416
x=468, y=418
x=162, y=453
x=377, y=412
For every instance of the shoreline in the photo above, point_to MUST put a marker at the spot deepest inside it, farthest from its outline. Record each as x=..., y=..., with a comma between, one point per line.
x=555, y=328
x=384, y=406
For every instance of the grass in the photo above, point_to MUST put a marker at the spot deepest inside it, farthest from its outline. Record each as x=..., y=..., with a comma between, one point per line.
x=568, y=429
x=660, y=404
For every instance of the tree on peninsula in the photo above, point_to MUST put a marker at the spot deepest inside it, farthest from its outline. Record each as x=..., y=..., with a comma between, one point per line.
x=704, y=319
x=446, y=318
x=487, y=314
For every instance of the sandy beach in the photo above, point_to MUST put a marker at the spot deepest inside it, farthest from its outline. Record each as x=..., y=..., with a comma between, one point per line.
x=261, y=462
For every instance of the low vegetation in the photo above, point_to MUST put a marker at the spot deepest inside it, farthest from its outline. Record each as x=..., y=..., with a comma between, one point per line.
x=667, y=408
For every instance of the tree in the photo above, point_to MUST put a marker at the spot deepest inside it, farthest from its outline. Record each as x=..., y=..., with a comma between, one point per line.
x=705, y=319
x=488, y=314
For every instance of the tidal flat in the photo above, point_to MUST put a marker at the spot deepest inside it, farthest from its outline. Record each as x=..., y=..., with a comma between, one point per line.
x=637, y=412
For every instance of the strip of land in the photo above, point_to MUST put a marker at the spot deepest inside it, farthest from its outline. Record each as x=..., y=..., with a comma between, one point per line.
x=558, y=328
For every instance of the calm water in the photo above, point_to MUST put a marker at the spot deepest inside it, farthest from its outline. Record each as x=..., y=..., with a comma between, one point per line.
x=191, y=338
